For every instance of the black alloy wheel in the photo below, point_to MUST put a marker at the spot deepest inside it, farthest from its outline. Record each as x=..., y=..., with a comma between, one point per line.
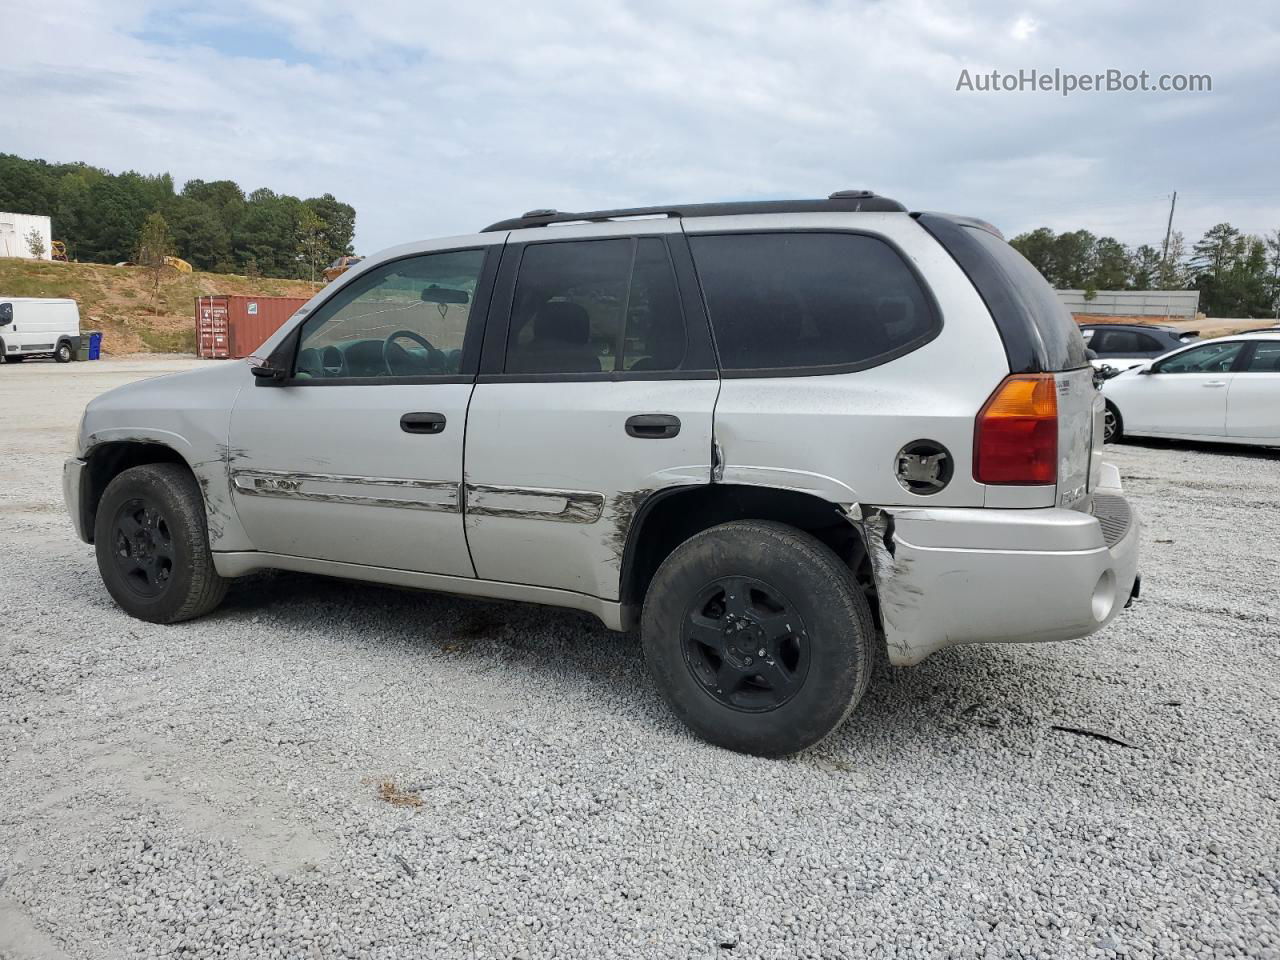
x=746, y=644
x=142, y=547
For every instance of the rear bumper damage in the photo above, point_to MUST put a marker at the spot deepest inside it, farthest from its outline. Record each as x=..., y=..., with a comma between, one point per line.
x=954, y=575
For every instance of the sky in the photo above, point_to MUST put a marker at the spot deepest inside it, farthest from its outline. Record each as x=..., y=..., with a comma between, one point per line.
x=434, y=119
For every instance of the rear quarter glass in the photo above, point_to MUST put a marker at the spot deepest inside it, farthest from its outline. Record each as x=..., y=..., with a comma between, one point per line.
x=1038, y=332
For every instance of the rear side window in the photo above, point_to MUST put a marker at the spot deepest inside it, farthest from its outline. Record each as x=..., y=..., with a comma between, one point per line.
x=1266, y=357
x=1125, y=341
x=596, y=306
x=782, y=301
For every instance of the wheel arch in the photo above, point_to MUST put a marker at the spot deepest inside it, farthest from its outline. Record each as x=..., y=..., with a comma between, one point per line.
x=669, y=517
x=109, y=459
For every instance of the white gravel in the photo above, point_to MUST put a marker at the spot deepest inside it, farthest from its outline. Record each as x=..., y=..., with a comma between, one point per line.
x=213, y=789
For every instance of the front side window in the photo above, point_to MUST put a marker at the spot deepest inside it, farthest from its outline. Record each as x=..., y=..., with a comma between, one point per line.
x=793, y=300
x=404, y=319
x=1210, y=358
x=596, y=306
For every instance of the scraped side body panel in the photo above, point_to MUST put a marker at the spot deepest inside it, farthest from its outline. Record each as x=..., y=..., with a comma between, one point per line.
x=189, y=413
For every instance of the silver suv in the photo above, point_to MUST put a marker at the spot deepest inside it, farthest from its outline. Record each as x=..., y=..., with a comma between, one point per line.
x=779, y=437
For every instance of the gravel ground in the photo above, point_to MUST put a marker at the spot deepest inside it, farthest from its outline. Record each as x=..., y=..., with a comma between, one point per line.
x=323, y=769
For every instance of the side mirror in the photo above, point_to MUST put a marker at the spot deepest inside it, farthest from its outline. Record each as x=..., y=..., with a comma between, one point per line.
x=269, y=376
x=6, y=314
x=1145, y=371
x=1091, y=354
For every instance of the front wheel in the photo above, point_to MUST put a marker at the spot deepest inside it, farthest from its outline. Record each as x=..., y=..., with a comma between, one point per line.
x=758, y=637
x=153, y=545
x=63, y=353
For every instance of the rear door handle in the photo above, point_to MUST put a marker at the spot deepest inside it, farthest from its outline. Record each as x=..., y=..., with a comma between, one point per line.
x=422, y=423
x=653, y=426
x=1215, y=383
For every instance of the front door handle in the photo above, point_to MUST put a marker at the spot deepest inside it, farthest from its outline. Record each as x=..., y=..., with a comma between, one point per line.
x=653, y=426
x=1215, y=383
x=422, y=423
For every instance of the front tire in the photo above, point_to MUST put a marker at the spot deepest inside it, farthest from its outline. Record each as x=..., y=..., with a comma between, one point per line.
x=152, y=544
x=758, y=637
x=63, y=354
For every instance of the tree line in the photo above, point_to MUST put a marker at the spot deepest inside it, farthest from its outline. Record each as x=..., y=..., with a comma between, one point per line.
x=1237, y=274
x=214, y=225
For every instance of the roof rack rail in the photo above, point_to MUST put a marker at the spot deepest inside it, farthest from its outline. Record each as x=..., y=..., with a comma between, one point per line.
x=842, y=201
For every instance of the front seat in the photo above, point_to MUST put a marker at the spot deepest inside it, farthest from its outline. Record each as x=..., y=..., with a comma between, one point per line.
x=561, y=342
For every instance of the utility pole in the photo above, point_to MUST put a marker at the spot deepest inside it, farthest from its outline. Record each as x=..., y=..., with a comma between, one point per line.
x=1168, y=230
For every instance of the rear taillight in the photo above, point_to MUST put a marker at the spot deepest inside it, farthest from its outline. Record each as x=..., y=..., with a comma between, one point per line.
x=1015, y=440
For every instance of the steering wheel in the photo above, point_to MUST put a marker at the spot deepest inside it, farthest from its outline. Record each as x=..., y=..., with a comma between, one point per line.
x=417, y=338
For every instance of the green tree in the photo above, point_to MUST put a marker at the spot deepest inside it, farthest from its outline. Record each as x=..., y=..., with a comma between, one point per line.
x=100, y=215
x=1272, y=241
x=312, y=242
x=339, y=220
x=112, y=233
x=1073, y=260
x=1145, y=264
x=1037, y=247
x=35, y=243
x=1112, y=265
x=199, y=234
x=1172, y=273
x=154, y=244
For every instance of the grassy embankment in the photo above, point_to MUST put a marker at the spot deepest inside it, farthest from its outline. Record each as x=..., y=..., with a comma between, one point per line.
x=117, y=300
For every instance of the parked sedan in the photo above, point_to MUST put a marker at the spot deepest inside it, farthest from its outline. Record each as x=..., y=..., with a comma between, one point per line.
x=1226, y=390
x=1124, y=345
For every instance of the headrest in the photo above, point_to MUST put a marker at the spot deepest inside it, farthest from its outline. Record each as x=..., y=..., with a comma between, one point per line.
x=562, y=320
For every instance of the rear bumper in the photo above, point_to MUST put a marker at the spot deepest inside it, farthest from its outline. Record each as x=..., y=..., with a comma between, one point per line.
x=72, y=487
x=952, y=576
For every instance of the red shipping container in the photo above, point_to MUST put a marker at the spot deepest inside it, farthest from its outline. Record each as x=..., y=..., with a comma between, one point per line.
x=233, y=326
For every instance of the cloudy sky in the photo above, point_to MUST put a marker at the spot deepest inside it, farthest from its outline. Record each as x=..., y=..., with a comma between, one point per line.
x=437, y=118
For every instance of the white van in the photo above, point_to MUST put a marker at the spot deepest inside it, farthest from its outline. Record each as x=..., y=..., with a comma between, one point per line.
x=36, y=326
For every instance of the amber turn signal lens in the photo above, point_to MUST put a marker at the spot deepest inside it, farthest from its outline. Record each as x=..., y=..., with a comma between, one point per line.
x=1016, y=434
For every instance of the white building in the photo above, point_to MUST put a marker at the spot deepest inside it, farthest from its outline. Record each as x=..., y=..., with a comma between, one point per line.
x=15, y=228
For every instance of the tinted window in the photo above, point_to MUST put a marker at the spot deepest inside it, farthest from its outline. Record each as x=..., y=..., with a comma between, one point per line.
x=596, y=306
x=786, y=300
x=1063, y=347
x=1266, y=357
x=407, y=318
x=1125, y=341
x=1210, y=358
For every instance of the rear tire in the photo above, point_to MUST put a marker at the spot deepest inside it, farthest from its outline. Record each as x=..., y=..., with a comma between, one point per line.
x=1113, y=424
x=758, y=637
x=63, y=354
x=152, y=544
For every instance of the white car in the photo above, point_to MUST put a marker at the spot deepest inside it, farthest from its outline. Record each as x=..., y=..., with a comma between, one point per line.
x=1227, y=390
x=781, y=437
x=36, y=326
